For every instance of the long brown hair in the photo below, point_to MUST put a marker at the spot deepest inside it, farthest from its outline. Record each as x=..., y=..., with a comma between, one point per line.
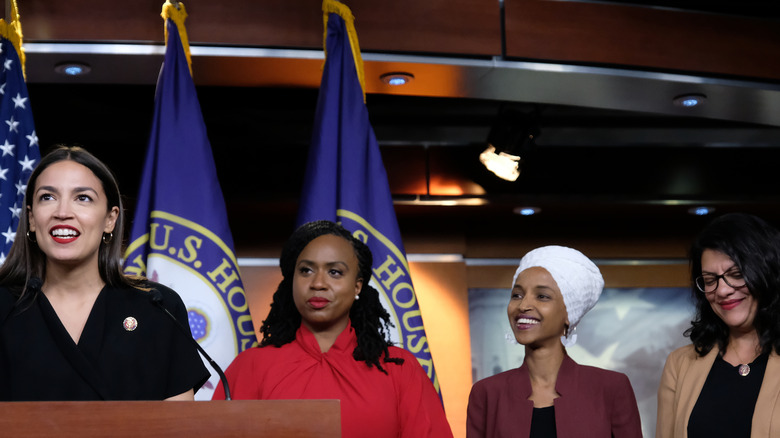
x=26, y=261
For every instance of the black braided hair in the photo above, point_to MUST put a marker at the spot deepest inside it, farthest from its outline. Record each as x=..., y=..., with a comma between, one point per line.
x=369, y=318
x=754, y=247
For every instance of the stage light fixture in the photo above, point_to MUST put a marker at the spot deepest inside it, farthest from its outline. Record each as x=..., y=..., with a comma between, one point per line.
x=510, y=137
x=505, y=166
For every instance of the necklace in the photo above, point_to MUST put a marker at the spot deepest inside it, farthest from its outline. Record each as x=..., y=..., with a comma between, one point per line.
x=744, y=368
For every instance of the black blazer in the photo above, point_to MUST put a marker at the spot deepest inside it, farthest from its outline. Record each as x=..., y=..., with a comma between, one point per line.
x=153, y=361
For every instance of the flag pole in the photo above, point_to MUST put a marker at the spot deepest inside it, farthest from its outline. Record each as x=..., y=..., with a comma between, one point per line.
x=175, y=10
x=180, y=233
x=343, y=11
x=15, y=109
x=11, y=29
x=346, y=181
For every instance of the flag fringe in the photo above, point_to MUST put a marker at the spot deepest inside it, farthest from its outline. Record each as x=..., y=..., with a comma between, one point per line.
x=178, y=14
x=13, y=32
x=336, y=7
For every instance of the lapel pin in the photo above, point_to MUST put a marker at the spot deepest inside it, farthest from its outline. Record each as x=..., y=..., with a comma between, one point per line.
x=130, y=323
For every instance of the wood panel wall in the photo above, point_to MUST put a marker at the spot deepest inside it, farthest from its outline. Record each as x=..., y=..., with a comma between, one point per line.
x=544, y=30
x=435, y=26
x=641, y=37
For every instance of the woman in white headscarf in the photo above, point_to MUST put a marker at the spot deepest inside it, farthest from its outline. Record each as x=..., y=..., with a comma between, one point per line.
x=550, y=395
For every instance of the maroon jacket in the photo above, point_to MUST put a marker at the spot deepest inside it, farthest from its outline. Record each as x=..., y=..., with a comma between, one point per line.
x=594, y=403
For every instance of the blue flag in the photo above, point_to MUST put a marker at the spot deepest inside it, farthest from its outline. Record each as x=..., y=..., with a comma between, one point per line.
x=346, y=182
x=180, y=235
x=19, y=147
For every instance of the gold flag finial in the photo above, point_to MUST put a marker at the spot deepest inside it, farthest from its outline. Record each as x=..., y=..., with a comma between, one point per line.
x=175, y=11
x=12, y=31
x=336, y=7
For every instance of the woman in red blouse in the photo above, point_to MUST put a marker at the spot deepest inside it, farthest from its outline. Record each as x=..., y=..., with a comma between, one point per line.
x=326, y=338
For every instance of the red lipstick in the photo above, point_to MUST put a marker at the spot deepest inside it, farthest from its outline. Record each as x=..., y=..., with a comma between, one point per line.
x=64, y=233
x=729, y=304
x=318, y=302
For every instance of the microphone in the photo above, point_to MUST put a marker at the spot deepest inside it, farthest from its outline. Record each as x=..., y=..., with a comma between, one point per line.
x=156, y=297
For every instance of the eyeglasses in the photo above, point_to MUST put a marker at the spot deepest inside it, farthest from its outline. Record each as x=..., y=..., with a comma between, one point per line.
x=707, y=283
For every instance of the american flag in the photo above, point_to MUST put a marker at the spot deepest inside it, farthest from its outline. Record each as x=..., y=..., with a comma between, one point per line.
x=19, y=149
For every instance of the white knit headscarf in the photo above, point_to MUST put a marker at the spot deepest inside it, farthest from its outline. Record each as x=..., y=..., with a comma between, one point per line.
x=577, y=277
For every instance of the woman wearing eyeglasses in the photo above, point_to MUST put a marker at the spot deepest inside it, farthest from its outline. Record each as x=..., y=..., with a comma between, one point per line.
x=727, y=382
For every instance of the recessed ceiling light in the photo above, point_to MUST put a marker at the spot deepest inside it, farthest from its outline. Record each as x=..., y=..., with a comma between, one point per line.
x=701, y=210
x=396, y=78
x=527, y=211
x=689, y=100
x=72, y=68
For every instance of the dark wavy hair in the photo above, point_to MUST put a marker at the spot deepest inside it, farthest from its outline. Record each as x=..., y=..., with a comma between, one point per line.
x=754, y=247
x=26, y=260
x=367, y=315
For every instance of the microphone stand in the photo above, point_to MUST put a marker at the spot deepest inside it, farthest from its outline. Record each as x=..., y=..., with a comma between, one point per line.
x=157, y=299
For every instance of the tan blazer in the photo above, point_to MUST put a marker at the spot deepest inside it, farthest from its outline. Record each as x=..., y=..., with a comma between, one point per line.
x=682, y=380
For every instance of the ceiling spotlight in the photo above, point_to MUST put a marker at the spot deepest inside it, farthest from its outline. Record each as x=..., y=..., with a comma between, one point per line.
x=397, y=78
x=526, y=211
x=701, y=210
x=505, y=166
x=72, y=68
x=689, y=100
x=510, y=137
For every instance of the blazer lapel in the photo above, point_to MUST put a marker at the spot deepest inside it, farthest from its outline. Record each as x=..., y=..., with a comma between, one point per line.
x=521, y=408
x=569, y=420
x=70, y=350
x=766, y=417
x=692, y=382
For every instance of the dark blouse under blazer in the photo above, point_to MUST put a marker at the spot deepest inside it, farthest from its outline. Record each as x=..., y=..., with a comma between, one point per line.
x=683, y=378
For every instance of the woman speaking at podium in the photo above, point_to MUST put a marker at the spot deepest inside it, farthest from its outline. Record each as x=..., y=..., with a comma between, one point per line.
x=72, y=325
x=325, y=338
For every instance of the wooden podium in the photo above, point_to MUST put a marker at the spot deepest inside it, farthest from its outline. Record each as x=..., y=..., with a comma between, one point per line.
x=142, y=419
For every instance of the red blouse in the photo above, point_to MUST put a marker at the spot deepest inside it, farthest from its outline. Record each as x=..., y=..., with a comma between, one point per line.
x=402, y=403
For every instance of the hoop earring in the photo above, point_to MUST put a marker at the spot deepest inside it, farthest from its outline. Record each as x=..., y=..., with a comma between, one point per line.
x=31, y=237
x=110, y=237
x=565, y=331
